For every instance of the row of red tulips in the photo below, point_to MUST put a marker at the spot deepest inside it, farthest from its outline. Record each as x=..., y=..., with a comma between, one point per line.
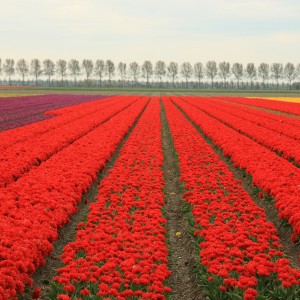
x=281, y=106
x=21, y=157
x=285, y=146
x=33, y=208
x=287, y=126
x=120, y=252
x=273, y=174
x=239, y=248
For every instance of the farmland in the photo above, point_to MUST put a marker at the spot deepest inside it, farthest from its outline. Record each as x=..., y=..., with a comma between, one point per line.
x=149, y=197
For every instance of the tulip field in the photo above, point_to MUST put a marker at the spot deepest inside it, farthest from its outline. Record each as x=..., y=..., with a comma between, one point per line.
x=238, y=162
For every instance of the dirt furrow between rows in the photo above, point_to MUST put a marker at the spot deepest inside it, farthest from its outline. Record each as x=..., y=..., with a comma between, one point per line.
x=183, y=257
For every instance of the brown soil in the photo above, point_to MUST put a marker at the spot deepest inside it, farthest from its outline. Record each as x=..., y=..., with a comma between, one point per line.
x=284, y=233
x=44, y=275
x=183, y=258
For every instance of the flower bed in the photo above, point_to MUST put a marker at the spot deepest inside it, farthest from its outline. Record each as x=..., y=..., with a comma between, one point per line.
x=20, y=111
x=120, y=252
x=21, y=157
x=273, y=174
x=282, y=106
x=69, y=114
x=285, y=125
x=38, y=204
x=239, y=248
x=285, y=146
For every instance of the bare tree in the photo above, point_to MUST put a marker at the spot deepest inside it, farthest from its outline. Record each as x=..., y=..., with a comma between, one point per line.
x=110, y=70
x=9, y=68
x=186, y=70
x=147, y=70
x=211, y=71
x=74, y=67
x=135, y=71
x=297, y=70
x=100, y=69
x=122, y=71
x=61, y=69
x=238, y=72
x=277, y=72
x=263, y=72
x=160, y=70
x=173, y=71
x=88, y=67
x=36, y=69
x=290, y=72
x=251, y=72
x=22, y=68
x=199, y=72
x=0, y=66
x=224, y=71
x=48, y=69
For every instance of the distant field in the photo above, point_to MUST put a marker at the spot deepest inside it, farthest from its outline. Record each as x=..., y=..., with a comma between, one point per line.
x=286, y=99
x=7, y=95
x=150, y=91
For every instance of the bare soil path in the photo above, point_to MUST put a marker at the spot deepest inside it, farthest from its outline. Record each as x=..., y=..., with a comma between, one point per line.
x=183, y=257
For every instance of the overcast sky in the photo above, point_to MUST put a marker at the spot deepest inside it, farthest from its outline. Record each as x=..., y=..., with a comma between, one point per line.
x=127, y=30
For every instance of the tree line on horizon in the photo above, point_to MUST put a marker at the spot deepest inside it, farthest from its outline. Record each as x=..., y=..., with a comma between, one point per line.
x=107, y=70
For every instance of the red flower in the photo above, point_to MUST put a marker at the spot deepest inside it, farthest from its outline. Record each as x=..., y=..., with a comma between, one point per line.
x=36, y=293
x=261, y=195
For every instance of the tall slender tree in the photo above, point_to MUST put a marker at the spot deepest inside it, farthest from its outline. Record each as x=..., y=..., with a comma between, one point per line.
x=61, y=69
x=277, y=72
x=88, y=67
x=147, y=70
x=238, y=72
x=297, y=70
x=211, y=71
x=135, y=71
x=224, y=71
x=264, y=72
x=22, y=68
x=251, y=72
x=100, y=70
x=173, y=71
x=160, y=70
x=290, y=72
x=9, y=68
x=36, y=69
x=122, y=68
x=199, y=72
x=48, y=69
x=74, y=68
x=109, y=70
x=186, y=70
